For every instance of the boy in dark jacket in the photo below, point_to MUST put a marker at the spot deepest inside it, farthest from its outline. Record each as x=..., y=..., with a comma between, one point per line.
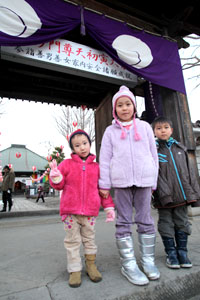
x=177, y=187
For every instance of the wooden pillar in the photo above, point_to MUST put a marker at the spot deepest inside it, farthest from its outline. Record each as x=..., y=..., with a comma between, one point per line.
x=175, y=107
x=103, y=118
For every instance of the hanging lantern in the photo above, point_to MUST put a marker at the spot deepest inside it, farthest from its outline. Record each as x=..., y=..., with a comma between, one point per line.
x=49, y=157
x=18, y=155
x=75, y=124
x=83, y=107
x=34, y=168
x=61, y=147
x=57, y=154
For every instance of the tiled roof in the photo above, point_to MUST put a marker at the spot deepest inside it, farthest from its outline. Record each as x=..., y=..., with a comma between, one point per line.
x=27, y=160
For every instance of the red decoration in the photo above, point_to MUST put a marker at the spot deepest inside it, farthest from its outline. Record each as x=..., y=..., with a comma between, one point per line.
x=34, y=168
x=18, y=155
x=57, y=154
x=61, y=147
x=48, y=169
x=75, y=124
x=83, y=107
x=10, y=166
x=49, y=157
x=67, y=137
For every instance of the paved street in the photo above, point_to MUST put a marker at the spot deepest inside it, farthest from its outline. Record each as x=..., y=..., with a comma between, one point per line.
x=33, y=261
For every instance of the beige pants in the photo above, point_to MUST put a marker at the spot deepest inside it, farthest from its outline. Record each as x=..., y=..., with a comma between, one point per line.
x=79, y=230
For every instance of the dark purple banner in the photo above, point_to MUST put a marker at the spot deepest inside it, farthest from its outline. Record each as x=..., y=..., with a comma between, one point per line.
x=33, y=22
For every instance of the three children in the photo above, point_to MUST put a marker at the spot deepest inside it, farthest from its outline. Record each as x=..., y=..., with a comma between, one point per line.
x=129, y=164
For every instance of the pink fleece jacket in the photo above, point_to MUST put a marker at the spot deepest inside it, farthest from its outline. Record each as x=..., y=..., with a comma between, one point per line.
x=79, y=187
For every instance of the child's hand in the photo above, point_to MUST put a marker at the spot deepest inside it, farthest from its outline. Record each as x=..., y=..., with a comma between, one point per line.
x=110, y=215
x=55, y=174
x=104, y=193
x=54, y=169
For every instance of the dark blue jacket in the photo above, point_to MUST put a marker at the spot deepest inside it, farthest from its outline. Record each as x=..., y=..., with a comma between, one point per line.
x=177, y=182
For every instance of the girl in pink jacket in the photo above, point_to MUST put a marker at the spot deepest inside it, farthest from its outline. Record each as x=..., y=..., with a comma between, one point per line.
x=129, y=164
x=80, y=202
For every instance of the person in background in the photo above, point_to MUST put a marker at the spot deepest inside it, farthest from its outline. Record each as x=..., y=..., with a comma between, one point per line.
x=129, y=164
x=176, y=189
x=7, y=187
x=77, y=179
x=40, y=194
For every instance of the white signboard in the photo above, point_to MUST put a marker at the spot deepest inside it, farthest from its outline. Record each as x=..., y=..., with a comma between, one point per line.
x=28, y=182
x=70, y=57
x=32, y=192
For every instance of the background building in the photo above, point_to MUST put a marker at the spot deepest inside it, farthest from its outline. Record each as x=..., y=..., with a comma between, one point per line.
x=25, y=164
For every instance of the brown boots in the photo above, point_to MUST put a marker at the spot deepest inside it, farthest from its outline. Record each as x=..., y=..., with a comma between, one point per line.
x=91, y=270
x=75, y=279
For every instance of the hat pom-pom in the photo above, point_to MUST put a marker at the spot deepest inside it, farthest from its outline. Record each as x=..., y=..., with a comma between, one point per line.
x=123, y=88
x=137, y=136
x=123, y=135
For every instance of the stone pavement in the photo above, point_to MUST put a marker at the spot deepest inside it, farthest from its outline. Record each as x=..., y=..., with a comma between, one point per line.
x=33, y=262
x=28, y=207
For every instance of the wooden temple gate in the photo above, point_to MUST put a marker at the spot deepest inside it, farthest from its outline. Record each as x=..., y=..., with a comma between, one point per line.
x=32, y=83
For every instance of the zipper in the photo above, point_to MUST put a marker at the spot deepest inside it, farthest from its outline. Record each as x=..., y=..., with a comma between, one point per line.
x=177, y=174
x=131, y=150
x=83, y=189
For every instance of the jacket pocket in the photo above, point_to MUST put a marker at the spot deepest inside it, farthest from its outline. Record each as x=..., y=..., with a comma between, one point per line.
x=149, y=171
x=69, y=199
x=117, y=173
x=93, y=201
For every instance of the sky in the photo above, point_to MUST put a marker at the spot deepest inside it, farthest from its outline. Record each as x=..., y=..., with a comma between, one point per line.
x=33, y=124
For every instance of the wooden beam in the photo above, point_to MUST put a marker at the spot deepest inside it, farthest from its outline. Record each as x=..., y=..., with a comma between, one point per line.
x=116, y=14
x=143, y=20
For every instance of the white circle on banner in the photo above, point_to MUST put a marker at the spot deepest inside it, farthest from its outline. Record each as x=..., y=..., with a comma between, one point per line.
x=18, y=18
x=133, y=51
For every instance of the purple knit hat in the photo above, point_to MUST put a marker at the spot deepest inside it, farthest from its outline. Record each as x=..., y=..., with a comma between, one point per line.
x=125, y=92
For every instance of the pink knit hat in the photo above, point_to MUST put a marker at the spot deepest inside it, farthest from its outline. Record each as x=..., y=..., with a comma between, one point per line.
x=125, y=92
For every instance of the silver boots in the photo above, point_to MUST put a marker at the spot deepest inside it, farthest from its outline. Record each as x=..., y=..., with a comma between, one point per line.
x=147, y=249
x=129, y=265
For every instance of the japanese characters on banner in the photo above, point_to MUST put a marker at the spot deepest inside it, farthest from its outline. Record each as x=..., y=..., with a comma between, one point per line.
x=34, y=22
x=64, y=53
